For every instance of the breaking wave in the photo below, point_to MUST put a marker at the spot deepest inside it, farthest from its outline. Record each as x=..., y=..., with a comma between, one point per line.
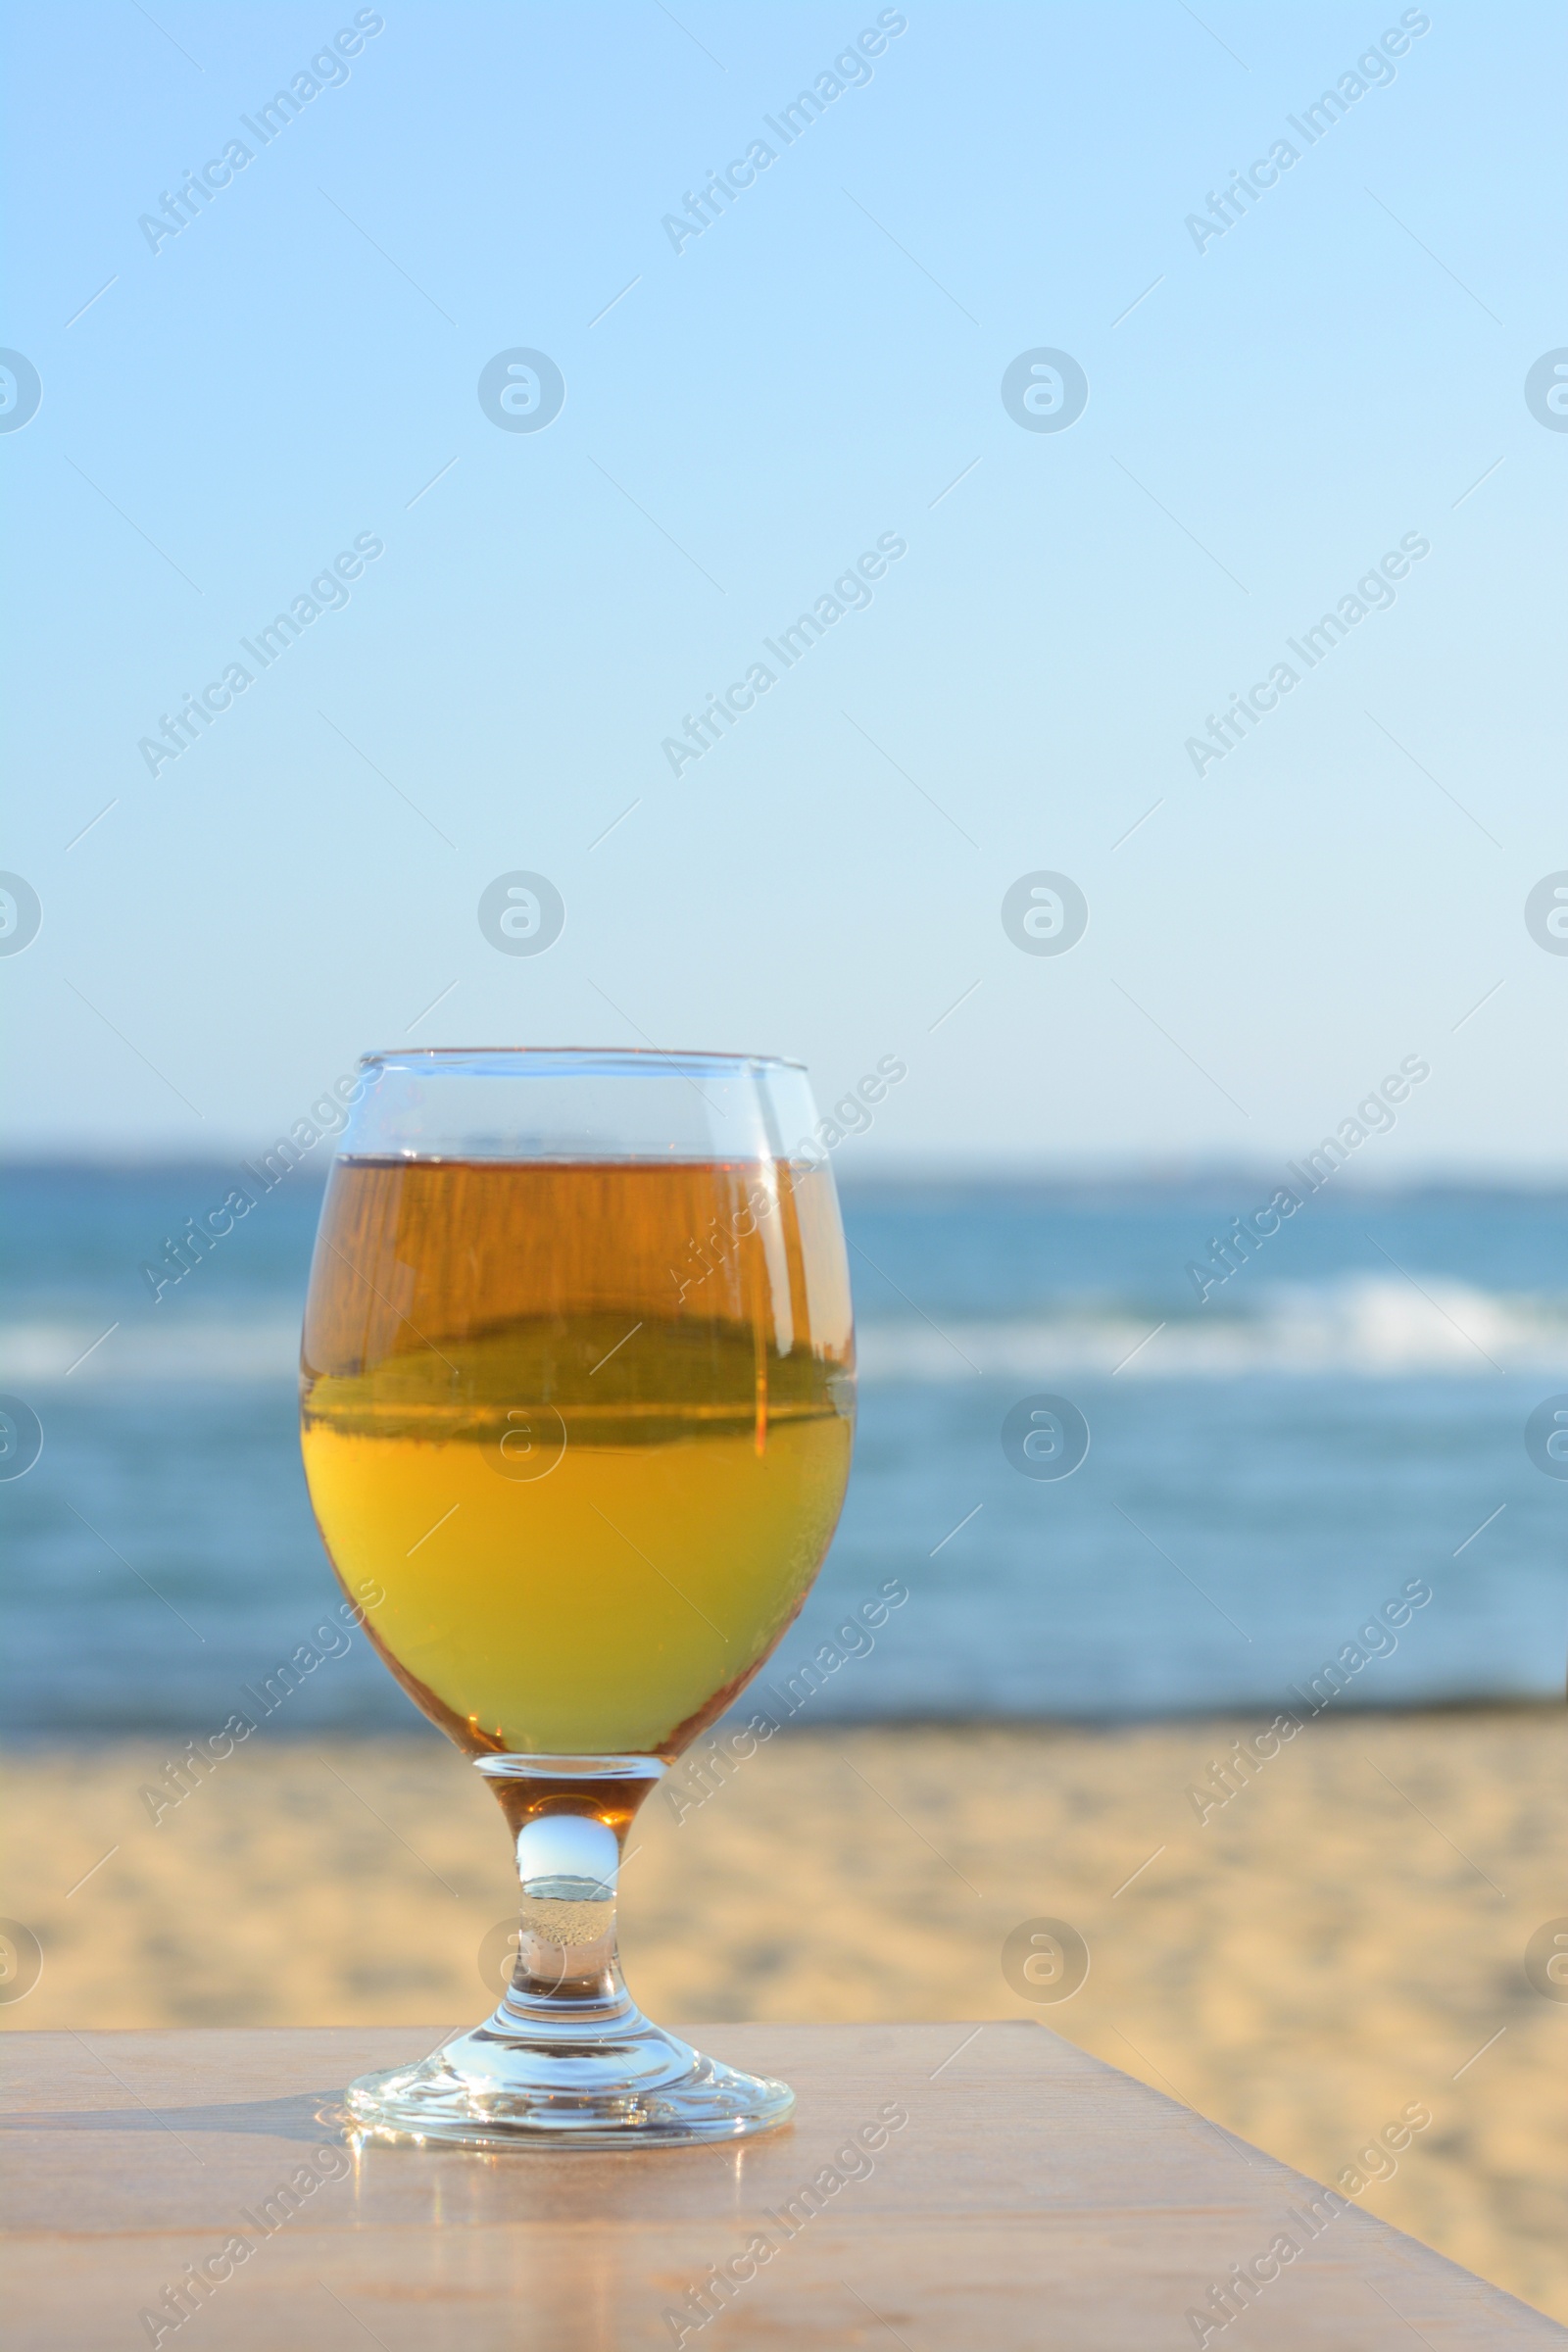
x=1365, y=1327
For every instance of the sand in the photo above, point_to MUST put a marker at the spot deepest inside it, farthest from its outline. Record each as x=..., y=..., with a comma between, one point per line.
x=1342, y=1939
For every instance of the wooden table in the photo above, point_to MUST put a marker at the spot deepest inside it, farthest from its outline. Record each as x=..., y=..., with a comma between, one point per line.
x=1032, y=2197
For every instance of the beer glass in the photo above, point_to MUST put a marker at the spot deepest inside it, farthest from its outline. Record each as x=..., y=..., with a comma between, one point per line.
x=577, y=1404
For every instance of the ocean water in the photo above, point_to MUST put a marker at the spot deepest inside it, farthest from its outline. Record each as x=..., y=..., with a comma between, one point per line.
x=1266, y=1468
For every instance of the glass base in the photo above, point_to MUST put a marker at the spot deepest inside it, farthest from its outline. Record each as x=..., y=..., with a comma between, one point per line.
x=567, y=2059
x=501, y=2088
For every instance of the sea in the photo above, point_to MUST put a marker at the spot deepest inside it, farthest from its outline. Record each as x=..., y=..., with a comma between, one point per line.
x=1362, y=1411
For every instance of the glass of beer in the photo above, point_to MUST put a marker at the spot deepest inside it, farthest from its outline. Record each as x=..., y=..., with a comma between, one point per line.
x=577, y=1404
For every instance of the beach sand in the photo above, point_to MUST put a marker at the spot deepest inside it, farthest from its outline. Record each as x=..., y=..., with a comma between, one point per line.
x=1342, y=1938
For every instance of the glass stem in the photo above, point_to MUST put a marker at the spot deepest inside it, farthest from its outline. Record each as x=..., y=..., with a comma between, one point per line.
x=569, y=1818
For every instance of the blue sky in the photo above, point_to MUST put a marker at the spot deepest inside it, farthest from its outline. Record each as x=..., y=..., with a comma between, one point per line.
x=1271, y=411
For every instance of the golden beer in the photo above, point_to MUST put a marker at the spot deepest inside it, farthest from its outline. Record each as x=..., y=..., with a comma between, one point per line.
x=584, y=1425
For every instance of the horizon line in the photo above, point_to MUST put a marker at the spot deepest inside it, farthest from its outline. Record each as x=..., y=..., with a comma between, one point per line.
x=933, y=1167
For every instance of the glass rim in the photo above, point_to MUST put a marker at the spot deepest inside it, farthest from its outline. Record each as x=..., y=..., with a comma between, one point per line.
x=576, y=1057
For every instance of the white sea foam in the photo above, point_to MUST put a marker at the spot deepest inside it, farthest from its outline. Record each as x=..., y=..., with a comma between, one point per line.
x=1366, y=1327
x=80, y=1355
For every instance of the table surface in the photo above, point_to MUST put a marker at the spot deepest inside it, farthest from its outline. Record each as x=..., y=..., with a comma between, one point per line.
x=1033, y=2197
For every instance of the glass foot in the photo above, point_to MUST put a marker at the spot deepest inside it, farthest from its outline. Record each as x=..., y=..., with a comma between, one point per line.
x=567, y=2059
x=496, y=2089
